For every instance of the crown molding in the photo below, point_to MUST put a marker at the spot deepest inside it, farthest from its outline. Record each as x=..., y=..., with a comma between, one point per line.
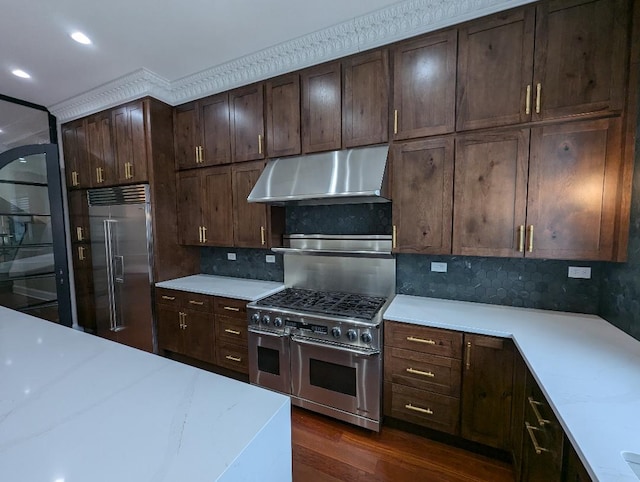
x=397, y=22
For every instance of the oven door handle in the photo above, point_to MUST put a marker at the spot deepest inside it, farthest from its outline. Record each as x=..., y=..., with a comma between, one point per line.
x=306, y=341
x=267, y=333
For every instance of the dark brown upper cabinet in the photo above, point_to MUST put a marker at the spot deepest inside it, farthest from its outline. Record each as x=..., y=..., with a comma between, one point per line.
x=100, y=150
x=365, y=99
x=283, y=115
x=424, y=86
x=201, y=132
x=129, y=124
x=76, y=156
x=422, y=193
x=321, y=108
x=79, y=216
x=247, y=123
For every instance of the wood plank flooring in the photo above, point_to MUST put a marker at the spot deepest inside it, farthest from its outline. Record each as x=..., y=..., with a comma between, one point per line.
x=327, y=450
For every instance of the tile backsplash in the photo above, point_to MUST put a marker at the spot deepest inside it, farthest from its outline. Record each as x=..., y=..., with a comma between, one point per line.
x=249, y=263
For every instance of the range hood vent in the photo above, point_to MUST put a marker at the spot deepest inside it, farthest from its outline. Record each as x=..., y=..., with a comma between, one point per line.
x=338, y=177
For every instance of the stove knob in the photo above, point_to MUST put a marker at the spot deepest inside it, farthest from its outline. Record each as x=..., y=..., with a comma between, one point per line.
x=366, y=337
x=335, y=331
x=277, y=322
x=255, y=318
x=352, y=335
x=266, y=320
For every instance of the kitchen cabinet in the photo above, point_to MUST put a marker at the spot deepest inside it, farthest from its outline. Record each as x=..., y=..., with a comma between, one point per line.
x=321, y=108
x=76, y=157
x=487, y=390
x=283, y=115
x=558, y=59
x=231, y=334
x=365, y=99
x=185, y=324
x=424, y=82
x=83, y=283
x=247, y=123
x=100, y=150
x=202, y=132
x=204, y=202
x=422, y=376
x=79, y=216
x=507, y=200
x=255, y=225
x=422, y=193
x=129, y=123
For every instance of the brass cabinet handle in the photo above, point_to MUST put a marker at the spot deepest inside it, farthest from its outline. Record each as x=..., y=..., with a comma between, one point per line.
x=262, y=236
x=200, y=233
x=421, y=340
x=530, y=247
x=74, y=178
x=234, y=358
x=420, y=372
x=197, y=149
x=126, y=170
x=79, y=233
x=204, y=234
x=100, y=174
x=394, y=237
x=199, y=155
x=81, y=253
x=534, y=406
x=521, y=237
x=395, y=121
x=180, y=319
x=199, y=303
x=532, y=436
x=170, y=298
x=538, y=97
x=259, y=143
x=527, y=108
x=428, y=411
x=97, y=174
x=468, y=355
x=183, y=317
x=130, y=170
x=231, y=308
x=233, y=332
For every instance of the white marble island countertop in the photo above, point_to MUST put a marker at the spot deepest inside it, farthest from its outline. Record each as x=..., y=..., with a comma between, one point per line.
x=240, y=288
x=78, y=408
x=588, y=369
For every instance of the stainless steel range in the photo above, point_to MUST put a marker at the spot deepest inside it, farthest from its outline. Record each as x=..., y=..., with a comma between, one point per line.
x=323, y=346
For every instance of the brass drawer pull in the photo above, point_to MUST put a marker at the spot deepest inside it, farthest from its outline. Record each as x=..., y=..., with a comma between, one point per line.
x=532, y=436
x=262, y=236
x=534, y=406
x=527, y=109
x=236, y=359
x=260, y=144
x=421, y=340
x=530, y=247
x=233, y=332
x=538, y=97
x=428, y=411
x=394, y=237
x=170, y=298
x=79, y=233
x=81, y=253
x=231, y=308
x=199, y=303
x=468, y=365
x=521, y=237
x=420, y=372
x=395, y=121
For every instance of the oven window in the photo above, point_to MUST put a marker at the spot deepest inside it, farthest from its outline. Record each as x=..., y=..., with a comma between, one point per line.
x=337, y=378
x=268, y=360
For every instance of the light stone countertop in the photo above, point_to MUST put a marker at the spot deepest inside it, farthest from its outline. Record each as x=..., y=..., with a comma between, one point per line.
x=588, y=369
x=78, y=408
x=240, y=288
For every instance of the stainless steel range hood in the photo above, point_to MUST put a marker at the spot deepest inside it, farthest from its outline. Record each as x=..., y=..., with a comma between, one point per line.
x=337, y=177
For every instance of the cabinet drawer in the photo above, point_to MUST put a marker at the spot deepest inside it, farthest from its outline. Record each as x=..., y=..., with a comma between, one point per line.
x=230, y=307
x=426, y=340
x=420, y=370
x=231, y=330
x=198, y=302
x=431, y=410
x=168, y=297
x=234, y=357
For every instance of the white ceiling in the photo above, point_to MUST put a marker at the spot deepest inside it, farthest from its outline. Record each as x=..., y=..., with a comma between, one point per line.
x=178, y=51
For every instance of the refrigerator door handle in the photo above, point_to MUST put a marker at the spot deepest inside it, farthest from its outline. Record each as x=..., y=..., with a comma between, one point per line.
x=108, y=237
x=118, y=262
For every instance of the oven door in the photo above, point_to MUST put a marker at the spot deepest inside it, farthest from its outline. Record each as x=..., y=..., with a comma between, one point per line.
x=269, y=360
x=343, y=378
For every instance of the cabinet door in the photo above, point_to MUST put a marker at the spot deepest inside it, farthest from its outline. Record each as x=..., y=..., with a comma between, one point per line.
x=573, y=186
x=214, y=128
x=321, y=108
x=250, y=220
x=130, y=147
x=198, y=336
x=79, y=216
x=365, y=101
x=283, y=116
x=580, y=52
x=83, y=282
x=185, y=135
x=74, y=144
x=487, y=387
x=490, y=194
x=100, y=150
x=422, y=193
x=169, y=329
x=247, y=123
x=217, y=212
x=424, y=86
x=189, y=208
x=495, y=68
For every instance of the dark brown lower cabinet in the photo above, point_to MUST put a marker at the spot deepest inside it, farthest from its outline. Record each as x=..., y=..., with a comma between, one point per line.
x=83, y=282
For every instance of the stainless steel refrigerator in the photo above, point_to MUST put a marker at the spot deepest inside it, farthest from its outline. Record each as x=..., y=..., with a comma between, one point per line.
x=121, y=250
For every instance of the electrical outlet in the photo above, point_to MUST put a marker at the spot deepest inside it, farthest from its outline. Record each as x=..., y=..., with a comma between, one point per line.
x=270, y=258
x=579, y=272
x=439, y=267
x=231, y=256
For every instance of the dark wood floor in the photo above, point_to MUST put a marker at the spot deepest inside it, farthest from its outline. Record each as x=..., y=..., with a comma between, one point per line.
x=327, y=450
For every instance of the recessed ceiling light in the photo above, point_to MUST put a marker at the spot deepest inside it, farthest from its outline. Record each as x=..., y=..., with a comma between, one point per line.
x=20, y=73
x=81, y=38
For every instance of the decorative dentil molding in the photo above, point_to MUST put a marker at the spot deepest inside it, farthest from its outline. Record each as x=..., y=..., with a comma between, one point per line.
x=396, y=22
